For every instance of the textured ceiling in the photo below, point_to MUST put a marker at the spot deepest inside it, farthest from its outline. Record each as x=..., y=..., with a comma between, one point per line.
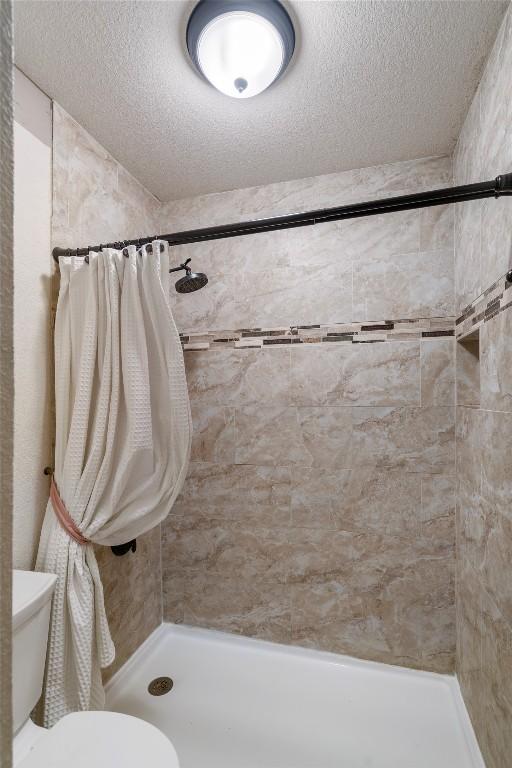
x=370, y=83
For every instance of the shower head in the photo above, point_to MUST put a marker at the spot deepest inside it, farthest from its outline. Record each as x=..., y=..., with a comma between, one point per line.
x=191, y=281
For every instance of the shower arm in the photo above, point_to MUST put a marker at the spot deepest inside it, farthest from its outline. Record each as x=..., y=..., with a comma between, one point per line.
x=498, y=187
x=182, y=266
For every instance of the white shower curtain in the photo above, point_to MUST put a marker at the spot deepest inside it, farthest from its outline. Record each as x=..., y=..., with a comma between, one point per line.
x=123, y=433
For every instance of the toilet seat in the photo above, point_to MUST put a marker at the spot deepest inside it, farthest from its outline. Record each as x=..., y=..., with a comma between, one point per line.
x=101, y=740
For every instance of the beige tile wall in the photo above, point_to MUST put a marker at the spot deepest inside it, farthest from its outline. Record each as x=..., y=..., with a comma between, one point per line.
x=319, y=507
x=382, y=267
x=483, y=232
x=483, y=247
x=95, y=200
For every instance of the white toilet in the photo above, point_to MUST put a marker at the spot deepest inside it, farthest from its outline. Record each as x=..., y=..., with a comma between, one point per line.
x=82, y=739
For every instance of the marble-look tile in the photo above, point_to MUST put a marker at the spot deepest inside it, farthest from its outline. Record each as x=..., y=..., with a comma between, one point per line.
x=316, y=495
x=469, y=446
x=409, y=438
x=63, y=237
x=387, y=503
x=305, y=194
x=304, y=275
x=412, y=439
x=482, y=254
x=405, y=505
x=495, y=689
x=496, y=232
x=249, y=607
x=467, y=160
x=91, y=174
x=469, y=642
x=468, y=276
x=438, y=371
x=208, y=483
x=471, y=513
x=473, y=519
x=60, y=170
x=482, y=232
x=495, y=531
x=495, y=436
x=94, y=196
x=484, y=659
x=495, y=110
x=318, y=555
x=494, y=570
x=286, y=436
x=399, y=614
x=314, y=246
x=236, y=493
x=139, y=208
x=315, y=293
x=202, y=542
x=467, y=355
x=269, y=436
x=133, y=595
x=380, y=237
x=416, y=284
x=265, y=495
x=173, y=595
x=438, y=501
x=213, y=437
x=217, y=305
x=248, y=253
x=232, y=377
x=422, y=601
x=496, y=362
x=356, y=374
x=436, y=228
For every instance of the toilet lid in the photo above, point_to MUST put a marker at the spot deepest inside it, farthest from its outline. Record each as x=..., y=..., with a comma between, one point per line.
x=102, y=740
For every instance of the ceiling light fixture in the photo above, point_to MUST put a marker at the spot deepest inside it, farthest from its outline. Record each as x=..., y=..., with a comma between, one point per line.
x=241, y=48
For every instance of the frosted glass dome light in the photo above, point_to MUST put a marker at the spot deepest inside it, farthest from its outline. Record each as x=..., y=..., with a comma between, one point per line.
x=240, y=47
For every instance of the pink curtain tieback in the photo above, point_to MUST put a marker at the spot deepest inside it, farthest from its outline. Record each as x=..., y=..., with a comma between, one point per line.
x=64, y=517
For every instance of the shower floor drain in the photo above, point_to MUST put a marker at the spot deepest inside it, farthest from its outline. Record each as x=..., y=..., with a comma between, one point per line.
x=160, y=685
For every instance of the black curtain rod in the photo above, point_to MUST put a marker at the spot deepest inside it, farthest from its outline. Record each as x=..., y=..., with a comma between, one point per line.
x=501, y=185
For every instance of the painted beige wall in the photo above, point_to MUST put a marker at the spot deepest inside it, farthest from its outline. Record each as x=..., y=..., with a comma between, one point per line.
x=483, y=248
x=319, y=507
x=32, y=341
x=6, y=377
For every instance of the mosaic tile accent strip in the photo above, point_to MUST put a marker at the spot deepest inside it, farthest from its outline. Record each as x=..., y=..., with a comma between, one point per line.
x=343, y=333
x=495, y=299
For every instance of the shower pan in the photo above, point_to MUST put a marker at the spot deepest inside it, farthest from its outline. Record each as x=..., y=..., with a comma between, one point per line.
x=243, y=703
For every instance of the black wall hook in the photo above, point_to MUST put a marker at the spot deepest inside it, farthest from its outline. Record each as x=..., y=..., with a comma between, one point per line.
x=123, y=549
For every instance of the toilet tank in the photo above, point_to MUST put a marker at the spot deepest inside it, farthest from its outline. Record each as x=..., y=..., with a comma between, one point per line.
x=31, y=603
